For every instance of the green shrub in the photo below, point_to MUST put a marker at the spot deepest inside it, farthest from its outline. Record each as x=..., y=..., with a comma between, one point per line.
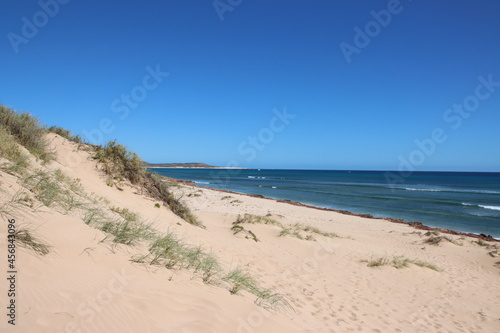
x=9, y=149
x=159, y=189
x=119, y=163
x=65, y=134
x=27, y=131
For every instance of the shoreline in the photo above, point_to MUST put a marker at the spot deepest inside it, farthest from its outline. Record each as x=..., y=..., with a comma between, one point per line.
x=413, y=224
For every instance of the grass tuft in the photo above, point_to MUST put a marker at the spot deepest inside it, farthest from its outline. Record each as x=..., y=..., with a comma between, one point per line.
x=239, y=279
x=66, y=134
x=26, y=239
x=399, y=262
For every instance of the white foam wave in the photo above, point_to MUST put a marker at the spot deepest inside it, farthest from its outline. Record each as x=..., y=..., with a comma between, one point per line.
x=490, y=207
x=451, y=190
x=422, y=189
x=482, y=206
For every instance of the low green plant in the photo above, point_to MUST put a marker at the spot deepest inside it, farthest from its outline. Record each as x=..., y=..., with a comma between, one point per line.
x=480, y=242
x=437, y=240
x=271, y=300
x=10, y=150
x=157, y=205
x=239, y=279
x=126, y=214
x=399, y=262
x=46, y=189
x=425, y=264
x=376, y=262
x=236, y=228
x=159, y=189
x=168, y=249
x=127, y=232
x=210, y=267
x=256, y=219
x=119, y=163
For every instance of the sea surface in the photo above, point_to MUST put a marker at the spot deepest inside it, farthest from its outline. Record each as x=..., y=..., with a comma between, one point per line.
x=461, y=201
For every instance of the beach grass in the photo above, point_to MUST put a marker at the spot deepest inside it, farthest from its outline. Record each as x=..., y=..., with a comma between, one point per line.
x=66, y=134
x=399, y=262
x=9, y=149
x=240, y=279
x=25, y=238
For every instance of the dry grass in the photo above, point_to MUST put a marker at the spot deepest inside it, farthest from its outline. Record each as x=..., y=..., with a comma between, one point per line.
x=25, y=238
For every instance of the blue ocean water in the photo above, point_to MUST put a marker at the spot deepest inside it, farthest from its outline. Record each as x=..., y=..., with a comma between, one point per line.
x=461, y=201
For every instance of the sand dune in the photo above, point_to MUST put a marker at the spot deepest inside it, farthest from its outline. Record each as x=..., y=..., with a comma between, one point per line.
x=87, y=283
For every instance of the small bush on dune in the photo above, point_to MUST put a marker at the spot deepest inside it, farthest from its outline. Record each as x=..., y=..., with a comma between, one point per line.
x=119, y=163
x=66, y=134
x=27, y=131
x=159, y=189
x=10, y=150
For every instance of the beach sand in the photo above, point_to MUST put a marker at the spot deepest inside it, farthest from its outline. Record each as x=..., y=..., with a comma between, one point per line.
x=89, y=284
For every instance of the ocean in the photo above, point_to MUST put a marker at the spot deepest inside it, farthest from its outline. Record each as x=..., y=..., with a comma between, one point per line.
x=461, y=201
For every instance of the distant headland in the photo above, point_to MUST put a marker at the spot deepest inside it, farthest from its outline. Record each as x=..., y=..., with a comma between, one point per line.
x=192, y=165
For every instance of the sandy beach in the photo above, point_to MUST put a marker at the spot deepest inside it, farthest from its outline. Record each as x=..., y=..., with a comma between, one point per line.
x=330, y=272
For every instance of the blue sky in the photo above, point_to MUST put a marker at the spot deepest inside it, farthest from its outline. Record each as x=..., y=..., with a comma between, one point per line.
x=273, y=84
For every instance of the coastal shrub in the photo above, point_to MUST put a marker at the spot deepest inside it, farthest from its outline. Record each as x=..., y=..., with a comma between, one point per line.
x=9, y=149
x=66, y=134
x=27, y=131
x=159, y=189
x=119, y=163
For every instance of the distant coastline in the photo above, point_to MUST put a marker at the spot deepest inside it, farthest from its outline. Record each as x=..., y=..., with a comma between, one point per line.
x=185, y=166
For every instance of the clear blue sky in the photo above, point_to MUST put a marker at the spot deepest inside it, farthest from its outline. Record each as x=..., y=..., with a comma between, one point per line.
x=73, y=67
